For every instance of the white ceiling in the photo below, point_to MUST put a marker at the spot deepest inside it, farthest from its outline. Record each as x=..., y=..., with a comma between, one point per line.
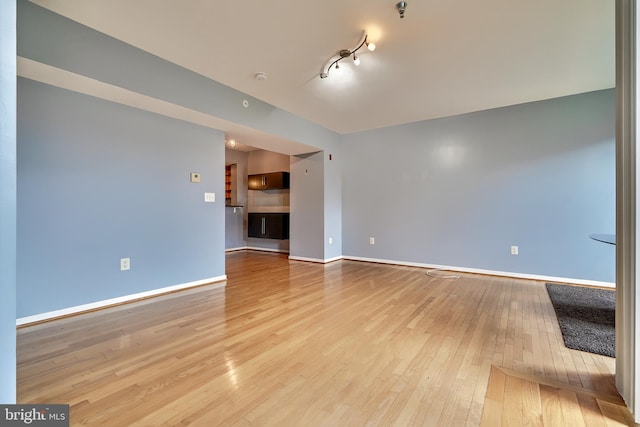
x=444, y=58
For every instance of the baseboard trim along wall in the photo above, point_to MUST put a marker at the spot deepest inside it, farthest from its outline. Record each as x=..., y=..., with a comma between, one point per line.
x=570, y=281
x=321, y=261
x=36, y=318
x=221, y=280
x=487, y=272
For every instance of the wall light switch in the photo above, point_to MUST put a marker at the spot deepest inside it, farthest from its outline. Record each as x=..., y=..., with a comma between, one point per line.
x=372, y=241
x=209, y=197
x=125, y=264
x=330, y=240
x=195, y=177
x=514, y=250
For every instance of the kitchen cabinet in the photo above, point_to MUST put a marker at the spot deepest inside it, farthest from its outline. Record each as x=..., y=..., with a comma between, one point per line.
x=268, y=181
x=273, y=225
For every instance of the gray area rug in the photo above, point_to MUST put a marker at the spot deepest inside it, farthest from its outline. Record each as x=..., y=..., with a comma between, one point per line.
x=586, y=317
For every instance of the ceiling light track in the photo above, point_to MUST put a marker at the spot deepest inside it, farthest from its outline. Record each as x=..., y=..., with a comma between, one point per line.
x=347, y=53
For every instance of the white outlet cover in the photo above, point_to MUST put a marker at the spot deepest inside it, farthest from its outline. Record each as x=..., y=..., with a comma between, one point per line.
x=209, y=197
x=125, y=264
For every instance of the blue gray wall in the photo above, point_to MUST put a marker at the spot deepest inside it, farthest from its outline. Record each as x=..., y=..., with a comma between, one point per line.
x=51, y=39
x=99, y=181
x=333, y=164
x=460, y=191
x=456, y=191
x=316, y=204
x=7, y=202
x=307, y=206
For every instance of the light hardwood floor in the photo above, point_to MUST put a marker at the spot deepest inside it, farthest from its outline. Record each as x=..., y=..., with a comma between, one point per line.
x=290, y=343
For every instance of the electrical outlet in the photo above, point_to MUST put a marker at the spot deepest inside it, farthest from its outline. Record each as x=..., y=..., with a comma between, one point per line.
x=514, y=250
x=330, y=240
x=195, y=177
x=372, y=241
x=209, y=197
x=125, y=264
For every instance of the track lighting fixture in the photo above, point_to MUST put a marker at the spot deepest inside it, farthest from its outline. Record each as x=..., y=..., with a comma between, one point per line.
x=346, y=53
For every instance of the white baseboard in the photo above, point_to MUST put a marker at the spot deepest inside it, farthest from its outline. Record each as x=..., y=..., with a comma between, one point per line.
x=240, y=248
x=119, y=300
x=486, y=272
x=450, y=268
x=318, y=260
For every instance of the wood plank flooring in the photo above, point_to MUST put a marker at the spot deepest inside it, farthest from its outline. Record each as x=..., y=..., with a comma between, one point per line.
x=291, y=343
x=516, y=399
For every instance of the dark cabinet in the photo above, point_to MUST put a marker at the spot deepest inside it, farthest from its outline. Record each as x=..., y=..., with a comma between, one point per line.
x=269, y=225
x=268, y=181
